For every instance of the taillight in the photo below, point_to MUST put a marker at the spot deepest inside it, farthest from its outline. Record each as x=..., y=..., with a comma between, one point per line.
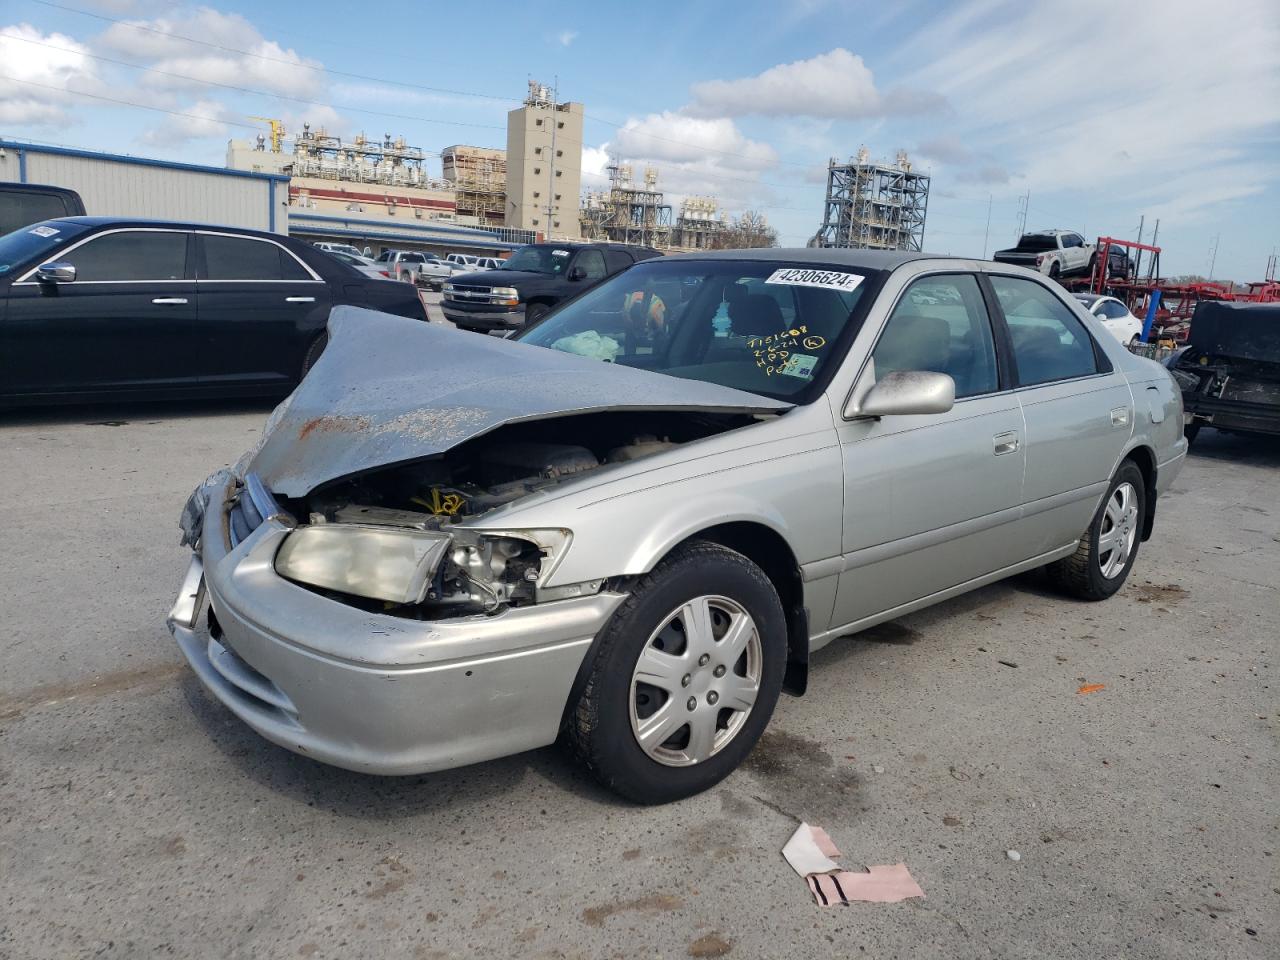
x=385, y=274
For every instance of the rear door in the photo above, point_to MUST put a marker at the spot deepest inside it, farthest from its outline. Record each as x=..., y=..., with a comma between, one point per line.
x=1078, y=410
x=932, y=501
x=126, y=322
x=259, y=309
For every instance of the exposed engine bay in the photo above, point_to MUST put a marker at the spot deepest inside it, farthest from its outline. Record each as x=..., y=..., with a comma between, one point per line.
x=413, y=513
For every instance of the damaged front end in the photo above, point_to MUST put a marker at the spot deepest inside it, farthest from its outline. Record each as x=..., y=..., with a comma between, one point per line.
x=405, y=540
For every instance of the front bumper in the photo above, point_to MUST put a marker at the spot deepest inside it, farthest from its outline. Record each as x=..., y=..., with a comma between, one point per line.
x=366, y=691
x=473, y=316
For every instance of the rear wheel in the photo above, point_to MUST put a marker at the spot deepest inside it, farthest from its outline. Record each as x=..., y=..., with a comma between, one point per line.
x=1106, y=552
x=1055, y=270
x=1191, y=431
x=313, y=352
x=685, y=677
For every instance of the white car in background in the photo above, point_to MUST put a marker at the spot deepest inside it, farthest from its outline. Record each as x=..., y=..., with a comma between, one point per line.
x=1113, y=315
x=370, y=268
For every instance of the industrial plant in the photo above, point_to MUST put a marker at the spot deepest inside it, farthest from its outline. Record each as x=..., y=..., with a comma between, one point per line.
x=880, y=206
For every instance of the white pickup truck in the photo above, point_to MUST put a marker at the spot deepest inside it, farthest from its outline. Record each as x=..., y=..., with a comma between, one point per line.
x=420, y=268
x=1057, y=253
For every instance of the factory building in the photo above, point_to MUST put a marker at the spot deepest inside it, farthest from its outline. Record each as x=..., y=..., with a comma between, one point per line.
x=544, y=164
x=479, y=178
x=113, y=185
x=879, y=206
x=370, y=193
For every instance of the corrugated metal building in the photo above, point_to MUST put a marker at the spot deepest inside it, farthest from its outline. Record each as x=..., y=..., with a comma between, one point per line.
x=431, y=236
x=113, y=185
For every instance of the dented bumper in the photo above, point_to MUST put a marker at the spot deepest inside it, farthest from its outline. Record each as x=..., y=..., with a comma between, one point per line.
x=366, y=691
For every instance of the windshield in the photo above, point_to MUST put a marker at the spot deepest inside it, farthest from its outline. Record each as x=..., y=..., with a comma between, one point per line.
x=539, y=259
x=37, y=242
x=1036, y=243
x=766, y=327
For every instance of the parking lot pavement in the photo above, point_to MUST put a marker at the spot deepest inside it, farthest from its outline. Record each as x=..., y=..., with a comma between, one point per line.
x=139, y=818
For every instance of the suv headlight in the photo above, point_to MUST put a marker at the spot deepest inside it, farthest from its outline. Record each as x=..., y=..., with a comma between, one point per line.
x=508, y=296
x=382, y=563
x=446, y=287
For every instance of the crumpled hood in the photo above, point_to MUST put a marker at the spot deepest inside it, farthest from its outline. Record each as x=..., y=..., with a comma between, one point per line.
x=388, y=390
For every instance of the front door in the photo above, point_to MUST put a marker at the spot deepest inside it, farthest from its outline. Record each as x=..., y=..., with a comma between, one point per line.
x=260, y=308
x=125, y=322
x=931, y=501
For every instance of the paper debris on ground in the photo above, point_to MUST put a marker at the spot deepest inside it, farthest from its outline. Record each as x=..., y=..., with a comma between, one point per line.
x=810, y=851
x=883, y=884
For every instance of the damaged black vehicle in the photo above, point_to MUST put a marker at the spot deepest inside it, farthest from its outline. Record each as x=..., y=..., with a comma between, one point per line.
x=1229, y=372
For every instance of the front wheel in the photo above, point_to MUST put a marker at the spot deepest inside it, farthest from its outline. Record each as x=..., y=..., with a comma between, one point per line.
x=685, y=677
x=535, y=312
x=1106, y=552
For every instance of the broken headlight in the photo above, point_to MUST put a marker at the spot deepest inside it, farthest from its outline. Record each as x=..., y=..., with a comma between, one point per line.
x=382, y=563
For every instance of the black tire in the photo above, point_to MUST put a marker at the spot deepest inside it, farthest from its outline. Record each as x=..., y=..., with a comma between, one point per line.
x=1055, y=270
x=535, y=312
x=599, y=728
x=1191, y=431
x=1080, y=575
x=313, y=353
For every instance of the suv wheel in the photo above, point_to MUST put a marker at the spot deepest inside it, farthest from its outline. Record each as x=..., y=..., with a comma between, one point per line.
x=1106, y=553
x=685, y=677
x=535, y=312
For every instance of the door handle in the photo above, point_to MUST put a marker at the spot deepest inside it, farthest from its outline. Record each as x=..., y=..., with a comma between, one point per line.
x=1005, y=443
x=169, y=300
x=299, y=299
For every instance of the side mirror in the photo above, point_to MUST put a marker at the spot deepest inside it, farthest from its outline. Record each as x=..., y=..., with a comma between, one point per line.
x=905, y=392
x=56, y=271
x=577, y=273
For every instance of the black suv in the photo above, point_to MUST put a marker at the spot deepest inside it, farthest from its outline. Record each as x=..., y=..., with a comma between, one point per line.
x=532, y=281
x=26, y=203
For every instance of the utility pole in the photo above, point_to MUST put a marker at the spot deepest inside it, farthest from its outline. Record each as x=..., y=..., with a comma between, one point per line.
x=551, y=174
x=987, y=234
x=1213, y=260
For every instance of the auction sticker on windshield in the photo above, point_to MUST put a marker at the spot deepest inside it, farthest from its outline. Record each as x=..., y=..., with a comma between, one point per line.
x=828, y=279
x=43, y=231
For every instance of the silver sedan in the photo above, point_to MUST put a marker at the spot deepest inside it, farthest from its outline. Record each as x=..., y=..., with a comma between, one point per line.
x=629, y=526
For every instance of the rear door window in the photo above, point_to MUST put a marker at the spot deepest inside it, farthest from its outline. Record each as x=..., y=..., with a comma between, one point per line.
x=243, y=258
x=591, y=263
x=1049, y=341
x=131, y=255
x=21, y=209
x=617, y=260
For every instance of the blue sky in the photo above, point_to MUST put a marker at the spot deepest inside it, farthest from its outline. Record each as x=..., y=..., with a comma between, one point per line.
x=1103, y=111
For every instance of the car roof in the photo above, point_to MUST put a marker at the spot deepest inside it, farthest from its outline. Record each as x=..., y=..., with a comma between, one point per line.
x=867, y=259
x=1089, y=297
x=173, y=225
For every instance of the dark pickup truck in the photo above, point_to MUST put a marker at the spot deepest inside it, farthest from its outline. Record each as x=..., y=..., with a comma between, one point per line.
x=532, y=281
x=1229, y=372
x=22, y=204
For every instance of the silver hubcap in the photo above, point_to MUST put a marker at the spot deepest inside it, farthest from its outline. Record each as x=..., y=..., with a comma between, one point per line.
x=696, y=681
x=1119, y=530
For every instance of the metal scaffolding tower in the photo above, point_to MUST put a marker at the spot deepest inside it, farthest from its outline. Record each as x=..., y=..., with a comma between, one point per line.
x=879, y=206
x=628, y=212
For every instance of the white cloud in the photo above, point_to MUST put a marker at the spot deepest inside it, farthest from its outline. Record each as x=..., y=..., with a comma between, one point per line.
x=203, y=119
x=693, y=155
x=836, y=84
x=265, y=65
x=566, y=37
x=50, y=74
x=1074, y=105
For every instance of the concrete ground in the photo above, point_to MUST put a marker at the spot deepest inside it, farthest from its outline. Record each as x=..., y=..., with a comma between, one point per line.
x=138, y=818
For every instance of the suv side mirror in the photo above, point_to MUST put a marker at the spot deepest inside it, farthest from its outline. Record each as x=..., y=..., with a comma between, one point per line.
x=577, y=273
x=56, y=271
x=905, y=392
